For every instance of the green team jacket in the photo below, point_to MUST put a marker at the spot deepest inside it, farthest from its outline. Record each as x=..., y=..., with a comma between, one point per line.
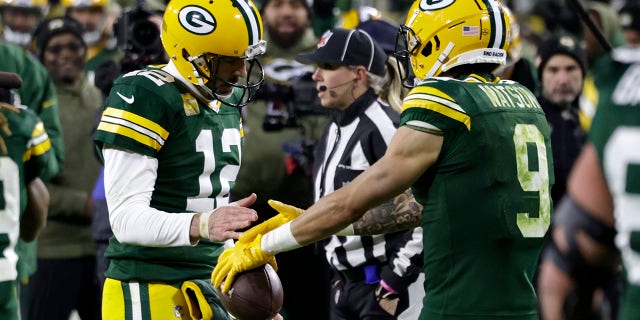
x=68, y=231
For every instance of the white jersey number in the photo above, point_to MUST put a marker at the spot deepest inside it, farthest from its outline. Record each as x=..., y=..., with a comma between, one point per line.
x=204, y=144
x=526, y=137
x=621, y=166
x=9, y=217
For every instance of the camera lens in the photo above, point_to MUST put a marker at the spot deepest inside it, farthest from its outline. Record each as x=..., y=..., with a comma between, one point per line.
x=145, y=34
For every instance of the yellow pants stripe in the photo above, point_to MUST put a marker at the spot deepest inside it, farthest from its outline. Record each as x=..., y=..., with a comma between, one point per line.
x=160, y=301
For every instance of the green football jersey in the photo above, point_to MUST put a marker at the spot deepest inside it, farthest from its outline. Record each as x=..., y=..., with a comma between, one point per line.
x=615, y=133
x=198, y=151
x=29, y=155
x=38, y=92
x=486, y=200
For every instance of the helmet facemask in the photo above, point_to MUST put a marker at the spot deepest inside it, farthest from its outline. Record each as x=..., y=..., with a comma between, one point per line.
x=406, y=44
x=207, y=69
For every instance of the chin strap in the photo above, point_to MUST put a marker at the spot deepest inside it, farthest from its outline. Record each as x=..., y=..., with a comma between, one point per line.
x=441, y=58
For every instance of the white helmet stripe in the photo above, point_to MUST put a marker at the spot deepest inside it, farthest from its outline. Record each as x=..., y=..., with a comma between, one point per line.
x=252, y=21
x=493, y=6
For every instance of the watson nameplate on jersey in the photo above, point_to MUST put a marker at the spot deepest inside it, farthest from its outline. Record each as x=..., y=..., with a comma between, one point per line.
x=508, y=95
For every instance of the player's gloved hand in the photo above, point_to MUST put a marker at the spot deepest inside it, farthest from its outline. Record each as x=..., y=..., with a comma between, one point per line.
x=244, y=256
x=285, y=214
x=4, y=124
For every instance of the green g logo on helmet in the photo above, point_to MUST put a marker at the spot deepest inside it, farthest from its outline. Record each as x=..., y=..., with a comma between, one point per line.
x=197, y=20
x=434, y=4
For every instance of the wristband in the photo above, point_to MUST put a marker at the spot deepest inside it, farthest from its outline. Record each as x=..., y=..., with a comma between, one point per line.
x=279, y=240
x=204, y=225
x=387, y=287
x=348, y=231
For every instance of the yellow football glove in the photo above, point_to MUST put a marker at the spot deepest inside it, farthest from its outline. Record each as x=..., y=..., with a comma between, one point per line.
x=244, y=256
x=285, y=214
x=4, y=124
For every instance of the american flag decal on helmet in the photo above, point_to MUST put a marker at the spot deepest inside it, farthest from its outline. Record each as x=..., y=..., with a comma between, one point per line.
x=473, y=31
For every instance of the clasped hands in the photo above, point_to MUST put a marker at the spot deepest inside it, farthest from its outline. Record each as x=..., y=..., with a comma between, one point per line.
x=247, y=253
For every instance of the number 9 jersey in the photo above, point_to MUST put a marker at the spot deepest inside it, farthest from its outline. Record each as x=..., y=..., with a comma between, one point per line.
x=197, y=145
x=487, y=206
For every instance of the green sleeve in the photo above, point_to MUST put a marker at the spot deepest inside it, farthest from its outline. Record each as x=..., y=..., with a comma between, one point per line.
x=49, y=116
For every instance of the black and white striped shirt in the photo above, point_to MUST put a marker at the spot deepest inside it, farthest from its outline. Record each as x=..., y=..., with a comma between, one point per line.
x=352, y=141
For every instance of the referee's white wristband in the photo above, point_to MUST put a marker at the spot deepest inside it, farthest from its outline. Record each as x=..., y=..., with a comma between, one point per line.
x=279, y=240
x=204, y=225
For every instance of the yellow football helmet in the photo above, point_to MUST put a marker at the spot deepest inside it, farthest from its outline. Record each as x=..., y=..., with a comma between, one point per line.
x=195, y=36
x=353, y=17
x=83, y=3
x=440, y=35
x=21, y=35
x=514, y=50
x=94, y=30
x=36, y=4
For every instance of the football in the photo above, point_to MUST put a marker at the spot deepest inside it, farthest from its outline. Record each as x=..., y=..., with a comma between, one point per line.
x=254, y=295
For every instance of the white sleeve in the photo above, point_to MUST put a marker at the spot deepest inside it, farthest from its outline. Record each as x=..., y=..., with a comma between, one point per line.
x=129, y=180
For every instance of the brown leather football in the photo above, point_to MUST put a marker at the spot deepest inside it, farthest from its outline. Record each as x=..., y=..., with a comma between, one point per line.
x=255, y=294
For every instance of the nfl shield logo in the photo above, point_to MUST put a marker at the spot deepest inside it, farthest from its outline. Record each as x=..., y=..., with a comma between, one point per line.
x=324, y=39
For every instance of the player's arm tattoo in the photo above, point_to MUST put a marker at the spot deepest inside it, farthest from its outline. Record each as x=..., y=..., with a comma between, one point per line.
x=399, y=213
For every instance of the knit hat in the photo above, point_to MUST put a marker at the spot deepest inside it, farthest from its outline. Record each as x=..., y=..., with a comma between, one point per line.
x=382, y=31
x=630, y=16
x=347, y=47
x=561, y=44
x=306, y=3
x=54, y=26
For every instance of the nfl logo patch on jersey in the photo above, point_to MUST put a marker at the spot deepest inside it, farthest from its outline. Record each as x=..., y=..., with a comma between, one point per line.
x=190, y=104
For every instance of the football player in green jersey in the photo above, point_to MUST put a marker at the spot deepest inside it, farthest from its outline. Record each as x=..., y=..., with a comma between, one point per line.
x=171, y=140
x=476, y=152
x=603, y=189
x=25, y=157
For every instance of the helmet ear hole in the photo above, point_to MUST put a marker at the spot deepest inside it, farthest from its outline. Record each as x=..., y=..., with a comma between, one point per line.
x=428, y=49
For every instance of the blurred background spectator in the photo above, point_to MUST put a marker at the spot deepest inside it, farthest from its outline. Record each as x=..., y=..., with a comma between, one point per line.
x=66, y=251
x=20, y=18
x=630, y=22
x=518, y=68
